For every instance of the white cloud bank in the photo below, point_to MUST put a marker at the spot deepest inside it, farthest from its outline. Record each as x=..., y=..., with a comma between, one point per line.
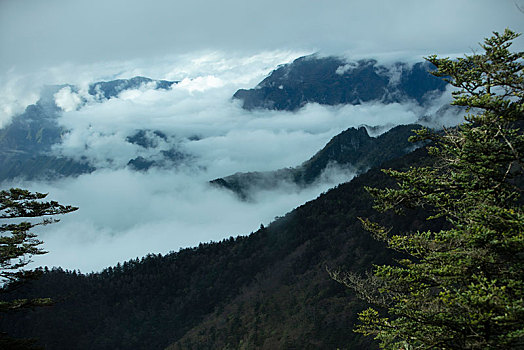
x=59, y=41
x=224, y=132
x=67, y=100
x=126, y=214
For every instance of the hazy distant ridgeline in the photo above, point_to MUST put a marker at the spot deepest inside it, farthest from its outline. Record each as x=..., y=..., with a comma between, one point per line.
x=25, y=143
x=352, y=149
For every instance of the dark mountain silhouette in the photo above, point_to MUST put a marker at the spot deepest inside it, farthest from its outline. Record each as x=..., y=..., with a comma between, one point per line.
x=333, y=81
x=353, y=148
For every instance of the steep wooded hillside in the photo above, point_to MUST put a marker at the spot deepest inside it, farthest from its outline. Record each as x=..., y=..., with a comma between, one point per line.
x=267, y=290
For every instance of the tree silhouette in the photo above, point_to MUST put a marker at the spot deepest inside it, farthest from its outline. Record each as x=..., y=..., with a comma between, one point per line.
x=18, y=244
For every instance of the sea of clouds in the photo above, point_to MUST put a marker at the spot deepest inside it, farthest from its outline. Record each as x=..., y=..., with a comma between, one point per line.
x=125, y=213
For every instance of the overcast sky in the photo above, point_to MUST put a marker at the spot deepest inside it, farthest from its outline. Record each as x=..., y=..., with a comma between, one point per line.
x=213, y=48
x=35, y=33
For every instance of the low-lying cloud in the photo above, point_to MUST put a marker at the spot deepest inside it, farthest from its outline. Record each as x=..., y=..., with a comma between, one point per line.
x=67, y=100
x=213, y=128
x=126, y=214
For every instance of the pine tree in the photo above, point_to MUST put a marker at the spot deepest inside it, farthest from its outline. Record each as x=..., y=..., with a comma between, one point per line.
x=461, y=287
x=17, y=245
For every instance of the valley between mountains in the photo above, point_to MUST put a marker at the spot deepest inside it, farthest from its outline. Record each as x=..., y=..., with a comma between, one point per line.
x=266, y=289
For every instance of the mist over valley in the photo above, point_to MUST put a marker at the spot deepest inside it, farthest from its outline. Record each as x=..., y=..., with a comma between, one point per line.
x=221, y=161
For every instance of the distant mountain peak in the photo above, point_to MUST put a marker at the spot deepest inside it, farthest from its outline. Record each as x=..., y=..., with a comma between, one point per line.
x=25, y=143
x=334, y=80
x=112, y=88
x=353, y=148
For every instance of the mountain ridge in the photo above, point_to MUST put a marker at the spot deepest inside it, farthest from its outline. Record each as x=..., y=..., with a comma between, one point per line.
x=29, y=139
x=352, y=148
x=25, y=144
x=333, y=81
x=277, y=273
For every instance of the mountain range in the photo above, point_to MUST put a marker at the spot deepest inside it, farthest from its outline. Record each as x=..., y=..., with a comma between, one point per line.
x=26, y=143
x=268, y=289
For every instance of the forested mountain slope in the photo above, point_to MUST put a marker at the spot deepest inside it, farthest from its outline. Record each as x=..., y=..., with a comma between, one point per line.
x=266, y=290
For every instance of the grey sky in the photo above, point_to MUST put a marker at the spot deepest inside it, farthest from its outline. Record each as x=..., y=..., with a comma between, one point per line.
x=37, y=33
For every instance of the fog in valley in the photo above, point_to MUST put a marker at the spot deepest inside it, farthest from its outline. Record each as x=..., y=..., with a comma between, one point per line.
x=126, y=213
